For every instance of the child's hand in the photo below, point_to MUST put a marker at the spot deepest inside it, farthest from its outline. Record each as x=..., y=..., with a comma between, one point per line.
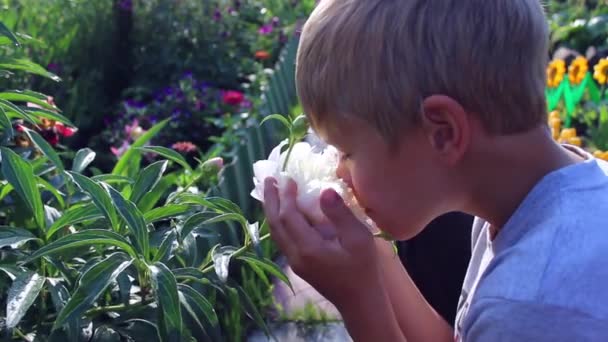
x=337, y=256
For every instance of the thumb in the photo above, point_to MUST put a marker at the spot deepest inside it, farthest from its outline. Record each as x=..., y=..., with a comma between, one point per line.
x=345, y=222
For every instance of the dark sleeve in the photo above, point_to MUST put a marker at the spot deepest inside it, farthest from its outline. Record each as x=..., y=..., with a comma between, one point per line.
x=437, y=260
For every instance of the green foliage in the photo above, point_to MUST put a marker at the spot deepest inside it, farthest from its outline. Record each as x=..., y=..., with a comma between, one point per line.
x=126, y=255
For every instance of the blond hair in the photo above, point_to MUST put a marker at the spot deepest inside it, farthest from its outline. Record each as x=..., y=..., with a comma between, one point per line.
x=378, y=59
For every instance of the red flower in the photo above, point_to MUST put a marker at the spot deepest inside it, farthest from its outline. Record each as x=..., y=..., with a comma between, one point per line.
x=184, y=147
x=233, y=98
x=65, y=131
x=262, y=55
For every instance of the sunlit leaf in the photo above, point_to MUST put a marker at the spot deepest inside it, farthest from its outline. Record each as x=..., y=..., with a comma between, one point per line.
x=169, y=154
x=147, y=180
x=199, y=307
x=221, y=261
x=134, y=219
x=87, y=237
x=20, y=175
x=83, y=158
x=23, y=64
x=46, y=148
x=266, y=265
x=73, y=216
x=164, y=286
x=168, y=211
x=14, y=237
x=98, y=194
x=123, y=163
x=21, y=296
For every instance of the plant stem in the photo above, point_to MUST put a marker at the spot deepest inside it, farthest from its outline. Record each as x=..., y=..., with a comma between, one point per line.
x=237, y=253
x=117, y=308
x=291, y=144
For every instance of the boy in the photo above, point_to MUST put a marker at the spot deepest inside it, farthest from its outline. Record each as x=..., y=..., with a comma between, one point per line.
x=438, y=106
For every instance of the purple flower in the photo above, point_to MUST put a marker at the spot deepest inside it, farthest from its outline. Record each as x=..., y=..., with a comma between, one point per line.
x=282, y=37
x=276, y=21
x=187, y=74
x=217, y=15
x=54, y=67
x=265, y=29
x=125, y=5
x=134, y=104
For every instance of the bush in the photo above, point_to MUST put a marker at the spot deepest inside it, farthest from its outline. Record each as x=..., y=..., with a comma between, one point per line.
x=131, y=254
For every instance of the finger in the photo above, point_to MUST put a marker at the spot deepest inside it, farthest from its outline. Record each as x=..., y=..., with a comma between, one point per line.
x=347, y=225
x=271, y=211
x=294, y=223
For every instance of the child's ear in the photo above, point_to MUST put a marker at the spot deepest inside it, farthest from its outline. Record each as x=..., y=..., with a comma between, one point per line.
x=446, y=126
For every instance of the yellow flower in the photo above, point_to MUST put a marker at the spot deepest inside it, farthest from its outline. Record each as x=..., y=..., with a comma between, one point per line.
x=576, y=141
x=601, y=155
x=578, y=70
x=554, y=114
x=600, y=71
x=555, y=72
x=567, y=133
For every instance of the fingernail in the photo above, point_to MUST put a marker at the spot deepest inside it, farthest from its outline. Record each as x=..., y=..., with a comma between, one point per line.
x=270, y=181
x=331, y=197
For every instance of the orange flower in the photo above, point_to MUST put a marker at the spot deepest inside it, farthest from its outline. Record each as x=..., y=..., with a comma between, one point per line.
x=555, y=73
x=262, y=55
x=578, y=70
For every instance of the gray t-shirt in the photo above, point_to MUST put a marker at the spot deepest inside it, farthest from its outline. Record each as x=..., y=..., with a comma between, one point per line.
x=545, y=275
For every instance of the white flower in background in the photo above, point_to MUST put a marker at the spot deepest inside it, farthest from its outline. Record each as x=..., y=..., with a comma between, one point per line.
x=313, y=171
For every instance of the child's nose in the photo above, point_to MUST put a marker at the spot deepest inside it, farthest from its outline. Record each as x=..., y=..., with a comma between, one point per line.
x=343, y=173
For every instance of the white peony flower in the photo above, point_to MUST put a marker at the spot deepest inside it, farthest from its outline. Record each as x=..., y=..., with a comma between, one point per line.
x=312, y=171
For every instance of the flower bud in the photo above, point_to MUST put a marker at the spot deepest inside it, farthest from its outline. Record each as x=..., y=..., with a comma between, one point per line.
x=213, y=165
x=300, y=127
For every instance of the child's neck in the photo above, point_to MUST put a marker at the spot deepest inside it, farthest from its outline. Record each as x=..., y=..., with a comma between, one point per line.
x=511, y=167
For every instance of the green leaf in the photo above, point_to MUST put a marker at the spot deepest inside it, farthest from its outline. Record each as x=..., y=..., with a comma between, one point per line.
x=23, y=64
x=188, y=272
x=197, y=305
x=221, y=261
x=251, y=310
x=148, y=179
x=60, y=296
x=266, y=265
x=14, y=237
x=98, y=194
x=91, y=285
x=166, y=246
x=169, y=154
x=135, y=221
x=53, y=190
x=12, y=108
x=87, y=237
x=83, y=158
x=26, y=96
x=112, y=179
x=195, y=221
x=21, y=296
x=121, y=167
x=46, y=148
x=5, y=122
x=106, y=334
x=168, y=211
x=219, y=204
x=226, y=217
x=140, y=330
x=8, y=33
x=48, y=114
x=165, y=292
x=20, y=175
x=73, y=216
x=278, y=117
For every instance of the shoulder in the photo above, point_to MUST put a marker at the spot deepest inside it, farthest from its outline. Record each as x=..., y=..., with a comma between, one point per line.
x=500, y=319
